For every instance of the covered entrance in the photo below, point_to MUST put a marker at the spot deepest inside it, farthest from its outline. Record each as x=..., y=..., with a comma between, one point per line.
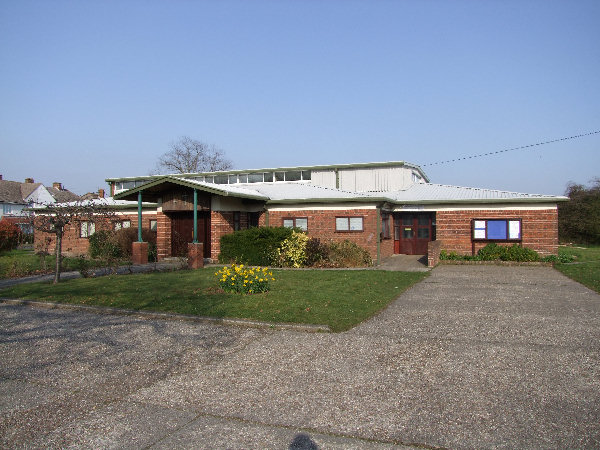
x=182, y=231
x=413, y=231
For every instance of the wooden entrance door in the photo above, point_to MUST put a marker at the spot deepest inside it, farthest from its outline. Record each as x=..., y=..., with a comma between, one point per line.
x=182, y=232
x=412, y=232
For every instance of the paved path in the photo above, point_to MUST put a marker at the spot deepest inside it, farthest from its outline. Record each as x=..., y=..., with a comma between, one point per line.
x=472, y=357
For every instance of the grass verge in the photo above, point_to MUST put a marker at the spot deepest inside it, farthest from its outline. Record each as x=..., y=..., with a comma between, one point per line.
x=586, y=267
x=338, y=298
x=23, y=263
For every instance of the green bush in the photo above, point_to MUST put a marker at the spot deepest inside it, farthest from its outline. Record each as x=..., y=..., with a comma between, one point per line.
x=521, y=254
x=495, y=252
x=104, y=245
x=453, y=256
x=254, y=246
x=348, y=254
x=10, y=235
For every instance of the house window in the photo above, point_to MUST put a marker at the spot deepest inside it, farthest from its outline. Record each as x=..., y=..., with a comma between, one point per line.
x=253, y=219
x=87, y=229
x=348, y=224
x=153, y=225
x=385, y=226
x=496, y=229
x=236, y=221
x=296, y=222
x=123, y=224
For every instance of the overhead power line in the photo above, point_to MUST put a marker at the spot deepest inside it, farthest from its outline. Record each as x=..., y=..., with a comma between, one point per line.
x=523, y=147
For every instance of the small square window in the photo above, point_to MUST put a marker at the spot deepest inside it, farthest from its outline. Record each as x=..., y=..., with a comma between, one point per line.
x=153, y=225
x=349, y=224
x=302, y=223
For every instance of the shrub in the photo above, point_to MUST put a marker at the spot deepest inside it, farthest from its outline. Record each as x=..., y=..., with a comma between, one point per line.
x=453, y=256
x=292, y=252
x=125, y=237
x=495, y=252
x=241, y=280
x=517, y=253
x=104, y=245
x=491, y=252
x=10, y=235
x=317, y=254
x=348, y=254
x=252, y=246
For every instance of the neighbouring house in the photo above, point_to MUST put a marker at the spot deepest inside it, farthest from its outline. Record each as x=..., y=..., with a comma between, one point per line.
x=386, y=208
x=15, y=197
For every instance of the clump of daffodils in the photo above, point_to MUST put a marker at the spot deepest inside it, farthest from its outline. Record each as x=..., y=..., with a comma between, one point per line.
x=244, y=280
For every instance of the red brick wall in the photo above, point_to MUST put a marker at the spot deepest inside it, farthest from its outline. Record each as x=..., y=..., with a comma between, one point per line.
x=321, y=224
x=163, y=236
x=221, y=223
x=73, y=244
x=539, y=229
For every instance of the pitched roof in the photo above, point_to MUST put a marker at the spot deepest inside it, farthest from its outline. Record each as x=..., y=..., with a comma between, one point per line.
x=10, y=192
x=440, y=193
x=15, y=191
x=62, y=195
x=294, y=192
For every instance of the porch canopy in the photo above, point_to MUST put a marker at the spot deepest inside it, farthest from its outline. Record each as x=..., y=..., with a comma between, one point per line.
x=165, y=187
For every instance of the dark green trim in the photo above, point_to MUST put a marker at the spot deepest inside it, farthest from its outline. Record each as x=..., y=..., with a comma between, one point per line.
x=378, y=235
x=190, y=184
x=140, y=216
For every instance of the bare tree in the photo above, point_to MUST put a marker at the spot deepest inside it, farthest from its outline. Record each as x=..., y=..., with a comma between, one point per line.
x=54, y=218
x=189, y=155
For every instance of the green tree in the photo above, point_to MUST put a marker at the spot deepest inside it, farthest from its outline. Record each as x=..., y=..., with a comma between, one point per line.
x=579, y=218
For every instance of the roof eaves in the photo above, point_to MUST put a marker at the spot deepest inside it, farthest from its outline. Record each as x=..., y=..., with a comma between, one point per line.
x=187, y=183
x=275, y=169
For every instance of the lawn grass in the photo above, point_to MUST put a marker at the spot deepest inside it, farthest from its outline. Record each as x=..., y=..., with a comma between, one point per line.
x=22, y=263
x=586, y=267
x=338, y=298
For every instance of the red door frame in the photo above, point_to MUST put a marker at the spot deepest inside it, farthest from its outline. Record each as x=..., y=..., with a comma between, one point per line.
x=413, y=231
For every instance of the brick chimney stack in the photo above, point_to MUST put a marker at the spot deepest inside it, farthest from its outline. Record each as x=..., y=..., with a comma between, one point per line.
x=57, y=185
x=100, y=193
x=28, y=180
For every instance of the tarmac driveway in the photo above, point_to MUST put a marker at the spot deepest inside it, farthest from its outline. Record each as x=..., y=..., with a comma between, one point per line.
x=472, y=357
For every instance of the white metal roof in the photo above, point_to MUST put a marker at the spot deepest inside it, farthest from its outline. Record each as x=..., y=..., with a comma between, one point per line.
x=427, y=192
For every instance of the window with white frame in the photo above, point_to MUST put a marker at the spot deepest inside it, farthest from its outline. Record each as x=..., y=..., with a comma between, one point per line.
x=349, y=223
x=296, y=222
x=153, y=225
x=87, y=228
x=496, y=229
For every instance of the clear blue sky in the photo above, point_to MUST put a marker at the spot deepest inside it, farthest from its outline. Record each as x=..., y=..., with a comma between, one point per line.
x=97, y=89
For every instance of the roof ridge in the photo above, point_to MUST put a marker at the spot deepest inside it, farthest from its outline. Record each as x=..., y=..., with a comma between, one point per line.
x=484, y=189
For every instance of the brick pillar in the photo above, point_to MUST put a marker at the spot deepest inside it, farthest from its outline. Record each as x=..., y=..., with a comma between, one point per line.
x=434, y=248
x=139, y=253
x=195, y=255
x=163, y=236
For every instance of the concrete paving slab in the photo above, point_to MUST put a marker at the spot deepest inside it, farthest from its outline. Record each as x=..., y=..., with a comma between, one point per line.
x=120, y=425
x=472, y=357
x=207, y=432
